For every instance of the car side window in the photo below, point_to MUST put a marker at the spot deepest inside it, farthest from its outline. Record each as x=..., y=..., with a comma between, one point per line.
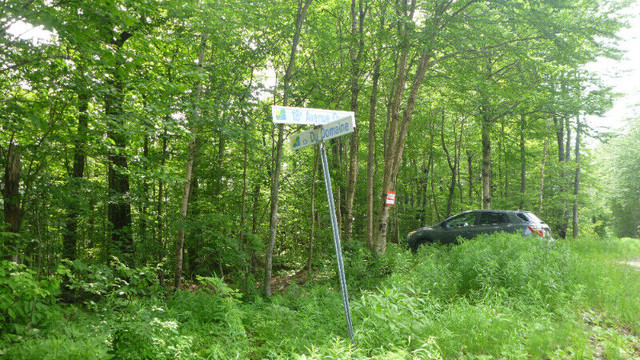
x=489, y=218
x=462, y=220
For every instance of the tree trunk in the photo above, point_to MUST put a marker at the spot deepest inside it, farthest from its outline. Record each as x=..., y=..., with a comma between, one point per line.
x=544, y=160
x=486, y=162
x=371, y=153
x=458, y=155
x=505, y=166
x=275, y=181
x=470, y=171
x=433, y=196
x=144, y=206
x=372, y=144
x=563, y=158
x=254, y=221
x=11, y=199
x=567, y=148
x=576, y=184
x=523, y=162
x=559, y=126
x=70, y=237
x=160, y=251
x=218, y=188
x=452, y=167
x=566, y=176
x=119, y=207
x=184, y=208
x=398, y=125
x=355, y=55
x=243, y=206
x=186, y=190
x=193, y=240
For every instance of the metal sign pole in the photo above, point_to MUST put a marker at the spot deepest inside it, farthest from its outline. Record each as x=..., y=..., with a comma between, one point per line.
x=336, y=237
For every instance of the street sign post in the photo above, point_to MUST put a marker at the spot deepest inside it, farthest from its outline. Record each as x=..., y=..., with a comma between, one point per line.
x=330, y=124
x=336, y=238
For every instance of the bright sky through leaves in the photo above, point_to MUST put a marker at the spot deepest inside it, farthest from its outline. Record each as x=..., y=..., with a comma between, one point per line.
x=623, y=76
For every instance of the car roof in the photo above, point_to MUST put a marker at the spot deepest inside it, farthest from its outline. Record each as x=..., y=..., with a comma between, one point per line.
x=513, y=212
x=496, y=211
x=499, y=211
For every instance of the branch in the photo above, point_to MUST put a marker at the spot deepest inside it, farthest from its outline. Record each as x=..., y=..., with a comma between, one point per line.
x=444, y=144
x=456, y=13
x=26, y=62
x=485, y=49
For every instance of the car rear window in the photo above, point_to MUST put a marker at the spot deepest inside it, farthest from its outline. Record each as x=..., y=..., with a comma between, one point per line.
x=529, y=217
x=488, y=218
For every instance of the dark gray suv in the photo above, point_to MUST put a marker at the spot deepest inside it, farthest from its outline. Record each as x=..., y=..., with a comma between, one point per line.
x=470, y=224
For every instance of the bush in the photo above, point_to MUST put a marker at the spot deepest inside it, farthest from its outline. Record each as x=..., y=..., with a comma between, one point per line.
x=213, y=303
x=366, y=270
x=117, y=283
x=529, y=269
x=147, y=337
x=494, y=297
x=215, y=309
x=27, y=303
x=293, y=322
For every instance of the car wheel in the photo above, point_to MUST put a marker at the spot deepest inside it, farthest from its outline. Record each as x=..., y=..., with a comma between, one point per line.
x=416, y=244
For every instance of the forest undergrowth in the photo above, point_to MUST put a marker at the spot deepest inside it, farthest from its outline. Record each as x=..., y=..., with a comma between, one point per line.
x=497, y=296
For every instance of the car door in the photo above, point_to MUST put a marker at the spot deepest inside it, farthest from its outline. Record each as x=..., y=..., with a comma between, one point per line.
x=458, y=226
x=490, y=222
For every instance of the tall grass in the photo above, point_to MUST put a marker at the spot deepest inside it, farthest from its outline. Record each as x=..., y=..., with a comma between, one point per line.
x=497, y=296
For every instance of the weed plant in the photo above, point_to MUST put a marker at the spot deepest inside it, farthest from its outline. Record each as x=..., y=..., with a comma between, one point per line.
x=495, y=297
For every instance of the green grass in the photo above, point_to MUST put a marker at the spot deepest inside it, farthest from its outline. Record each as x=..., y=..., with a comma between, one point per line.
x=496, y=297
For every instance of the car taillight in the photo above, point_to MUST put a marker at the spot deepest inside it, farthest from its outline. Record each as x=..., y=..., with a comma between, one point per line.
x=536, y=230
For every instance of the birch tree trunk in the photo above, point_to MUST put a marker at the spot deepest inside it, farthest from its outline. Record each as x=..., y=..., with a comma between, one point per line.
x=486, y=162
x=371, y=154
x=542, y=165
x=566, y=177
x=576, y=184
x=372, y=144
x=355, y=53
x=275, y=181
x=186, y=190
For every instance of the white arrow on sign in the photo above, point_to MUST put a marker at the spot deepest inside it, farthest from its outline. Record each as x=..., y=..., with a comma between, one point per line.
x=308, y=116
x=323, y=133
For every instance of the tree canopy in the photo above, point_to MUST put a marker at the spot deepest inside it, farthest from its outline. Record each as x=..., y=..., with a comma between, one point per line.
x=142, y=130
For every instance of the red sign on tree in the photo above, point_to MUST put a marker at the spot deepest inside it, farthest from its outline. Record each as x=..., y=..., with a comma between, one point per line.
x=391, y=198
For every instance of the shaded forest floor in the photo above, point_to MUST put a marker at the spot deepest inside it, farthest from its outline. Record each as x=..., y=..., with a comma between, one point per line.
x=494, y=297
